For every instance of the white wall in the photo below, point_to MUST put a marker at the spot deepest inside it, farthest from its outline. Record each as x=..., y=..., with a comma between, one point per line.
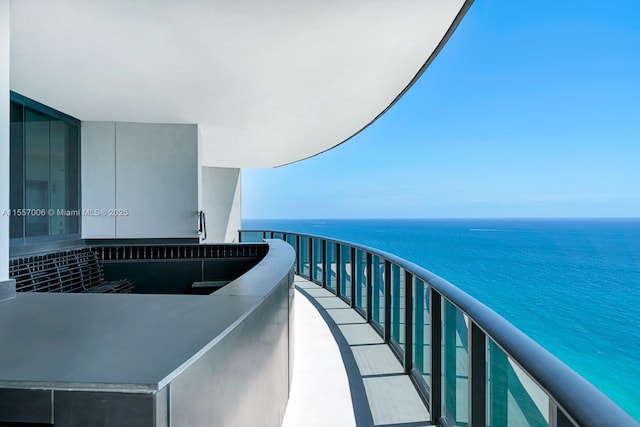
x=148, y=173
x=98, y=171
x=235, y=216
x=4, y=138
x=157, y=180
x=221, y=202
x=153, y=171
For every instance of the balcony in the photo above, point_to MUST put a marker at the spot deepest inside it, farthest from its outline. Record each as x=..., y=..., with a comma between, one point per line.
x=408, y=347
x=469, y=366
x=167, y=357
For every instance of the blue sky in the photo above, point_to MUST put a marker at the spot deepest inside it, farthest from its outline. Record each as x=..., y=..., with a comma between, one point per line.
x=531, y=110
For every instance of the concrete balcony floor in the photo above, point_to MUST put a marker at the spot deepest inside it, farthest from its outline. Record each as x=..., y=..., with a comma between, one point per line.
x=344, y=375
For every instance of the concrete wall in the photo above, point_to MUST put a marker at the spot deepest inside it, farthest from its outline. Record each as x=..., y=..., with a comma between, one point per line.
x=98, y=177
x=4, y=144
x=157, y=180
x=221, y=202
x=153, y=171
x=147, y=173
x=243, y=380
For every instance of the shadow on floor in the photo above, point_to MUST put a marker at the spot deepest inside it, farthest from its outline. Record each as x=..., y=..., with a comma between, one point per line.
x=381, y=393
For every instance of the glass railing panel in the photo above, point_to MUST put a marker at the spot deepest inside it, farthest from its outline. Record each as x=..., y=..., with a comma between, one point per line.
x=513, y=398
x=421, y=329
x=291, y=239
x=455, y=360
x=251, y=236
x=304, y=256
x=377, y=287
x=317, y=261
x=361, y=280
x=330, y=276
x=345, y=278
x=278, y=235
x=397, y=305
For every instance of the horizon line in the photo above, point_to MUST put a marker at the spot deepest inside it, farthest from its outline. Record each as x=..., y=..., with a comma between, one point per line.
x=449, y=218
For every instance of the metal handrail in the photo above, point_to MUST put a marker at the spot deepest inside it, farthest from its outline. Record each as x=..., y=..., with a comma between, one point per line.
x=572, y=398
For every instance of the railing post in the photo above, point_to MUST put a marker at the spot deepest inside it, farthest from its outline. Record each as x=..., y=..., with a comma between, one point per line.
x=325, y=273
x=408, y=322
x=311, y=267
x=369, y=295
x=239, y=236
x=298, y=258
x=557, y=418
x=435, y=349
x=354, y=283
x=477, y=376
x=417, y=324
x=338, y=253
x=387, y=301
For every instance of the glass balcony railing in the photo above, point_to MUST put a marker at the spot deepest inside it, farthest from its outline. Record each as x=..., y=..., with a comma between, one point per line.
x=471, y=366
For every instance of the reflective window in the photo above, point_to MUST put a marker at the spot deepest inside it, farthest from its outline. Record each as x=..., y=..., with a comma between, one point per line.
x=45, y=173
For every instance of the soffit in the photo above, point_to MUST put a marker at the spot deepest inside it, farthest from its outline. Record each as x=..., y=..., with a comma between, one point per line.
x=268, y=82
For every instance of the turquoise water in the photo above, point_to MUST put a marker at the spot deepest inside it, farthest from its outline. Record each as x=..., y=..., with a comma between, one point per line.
x=571, y=285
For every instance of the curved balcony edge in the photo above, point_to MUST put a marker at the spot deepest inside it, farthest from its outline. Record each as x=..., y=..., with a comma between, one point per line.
x=572, y=399
x=152, y=359
x=249, y=366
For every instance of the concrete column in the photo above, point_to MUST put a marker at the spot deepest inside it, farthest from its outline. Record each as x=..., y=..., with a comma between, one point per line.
x=221, y=203
x=7, y=287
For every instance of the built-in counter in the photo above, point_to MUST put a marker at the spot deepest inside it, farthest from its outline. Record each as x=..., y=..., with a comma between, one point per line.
x=152, y=360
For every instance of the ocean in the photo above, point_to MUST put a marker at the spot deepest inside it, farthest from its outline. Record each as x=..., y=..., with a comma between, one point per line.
x=573, y=285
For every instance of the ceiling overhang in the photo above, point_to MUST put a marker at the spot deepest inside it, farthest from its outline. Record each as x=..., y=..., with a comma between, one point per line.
x=267, y=82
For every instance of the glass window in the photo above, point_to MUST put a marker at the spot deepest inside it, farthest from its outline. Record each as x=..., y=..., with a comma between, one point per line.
x=45, y=173
x=16, y=161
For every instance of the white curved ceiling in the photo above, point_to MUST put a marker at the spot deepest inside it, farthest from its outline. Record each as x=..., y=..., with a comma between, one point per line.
x=268, y=82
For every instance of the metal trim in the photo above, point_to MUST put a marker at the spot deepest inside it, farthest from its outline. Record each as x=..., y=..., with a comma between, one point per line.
x=477, y=375
x=408, y=322
x=369, y=296
x=387, y=301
